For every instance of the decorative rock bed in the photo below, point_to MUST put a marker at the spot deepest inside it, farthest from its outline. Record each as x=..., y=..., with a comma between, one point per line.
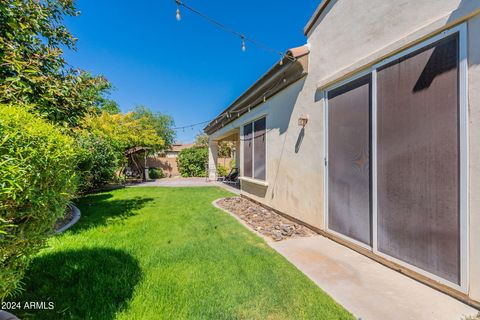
x=265, y=222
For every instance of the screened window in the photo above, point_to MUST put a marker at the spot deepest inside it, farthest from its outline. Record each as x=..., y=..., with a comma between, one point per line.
x=254, y=149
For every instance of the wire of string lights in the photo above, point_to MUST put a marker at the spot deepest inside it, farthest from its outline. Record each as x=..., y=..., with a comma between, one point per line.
x=191, y=126
x=244, y=39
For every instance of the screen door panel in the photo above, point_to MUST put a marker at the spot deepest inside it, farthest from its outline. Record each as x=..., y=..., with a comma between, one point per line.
x=349, y=160
x=247, y=150
x=418, y=159
x=259, y=149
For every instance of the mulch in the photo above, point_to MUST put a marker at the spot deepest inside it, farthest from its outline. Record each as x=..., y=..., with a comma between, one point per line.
x=65, y=219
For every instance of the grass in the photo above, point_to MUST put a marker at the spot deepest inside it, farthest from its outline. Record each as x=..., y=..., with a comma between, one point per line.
x=167, y=253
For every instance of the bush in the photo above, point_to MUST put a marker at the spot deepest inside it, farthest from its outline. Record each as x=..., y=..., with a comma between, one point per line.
x=37, y=179
x=192, y=161
x=155, y=173
x=98, y=161
x=222, y=171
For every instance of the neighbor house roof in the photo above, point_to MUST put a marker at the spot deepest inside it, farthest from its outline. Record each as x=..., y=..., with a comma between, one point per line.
x=321, y=7
x=292, y=67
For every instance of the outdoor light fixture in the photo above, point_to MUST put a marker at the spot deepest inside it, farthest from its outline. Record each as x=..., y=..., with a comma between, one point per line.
x=244, y=45
x=302, y=121
x=178, y=15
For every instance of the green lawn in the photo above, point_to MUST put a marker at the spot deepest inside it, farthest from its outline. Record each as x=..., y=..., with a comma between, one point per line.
x=167, y=253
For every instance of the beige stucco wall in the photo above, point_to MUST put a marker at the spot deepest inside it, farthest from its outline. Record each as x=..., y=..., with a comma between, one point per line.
x=474, y=159
x=351, y=36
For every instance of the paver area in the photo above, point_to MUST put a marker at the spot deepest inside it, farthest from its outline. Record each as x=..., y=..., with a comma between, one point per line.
x=186, y=182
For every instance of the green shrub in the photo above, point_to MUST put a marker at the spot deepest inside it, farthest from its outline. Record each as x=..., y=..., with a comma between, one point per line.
x=222, y=171
x=192, y=162
x=155, y=173
x=37, y=179
x=98, y=161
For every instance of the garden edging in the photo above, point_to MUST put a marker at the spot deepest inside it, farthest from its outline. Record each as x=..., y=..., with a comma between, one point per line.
x=76, y=216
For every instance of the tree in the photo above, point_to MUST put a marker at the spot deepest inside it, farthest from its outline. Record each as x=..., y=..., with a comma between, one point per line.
x=192, y=162
x=124, y=130
x=32, y=68
x=98, y=160
x=224, y=147
x=201, y=140
x=162, y=123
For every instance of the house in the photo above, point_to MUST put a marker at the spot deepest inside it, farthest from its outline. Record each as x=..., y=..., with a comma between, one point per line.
x=175, y=149
x=370, y=133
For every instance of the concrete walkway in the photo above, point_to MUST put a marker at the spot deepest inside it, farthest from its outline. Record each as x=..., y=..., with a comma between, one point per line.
x=366, y=288
x=186, y=182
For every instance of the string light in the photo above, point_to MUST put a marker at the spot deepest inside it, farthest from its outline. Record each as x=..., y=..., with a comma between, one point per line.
x=232, y=31
x=191, y=126
x=178, y=16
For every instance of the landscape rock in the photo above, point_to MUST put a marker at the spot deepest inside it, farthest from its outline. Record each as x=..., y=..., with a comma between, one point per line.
x=266, y=222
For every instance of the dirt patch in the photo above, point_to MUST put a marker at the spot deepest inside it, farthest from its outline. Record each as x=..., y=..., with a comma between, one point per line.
x=266, y=222
x=65, y=219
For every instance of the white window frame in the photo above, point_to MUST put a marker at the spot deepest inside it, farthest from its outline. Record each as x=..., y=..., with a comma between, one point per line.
x=461, y=29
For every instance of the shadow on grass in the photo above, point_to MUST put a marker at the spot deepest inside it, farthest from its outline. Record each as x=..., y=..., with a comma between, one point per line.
x=82, y=284
x=100, y=210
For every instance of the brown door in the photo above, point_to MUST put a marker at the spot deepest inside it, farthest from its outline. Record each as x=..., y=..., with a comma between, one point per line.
x=418, y=159
x=349, y=160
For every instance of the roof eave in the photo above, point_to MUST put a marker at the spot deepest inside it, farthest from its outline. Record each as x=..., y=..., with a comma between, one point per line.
x=318, y=12
x=260, y=90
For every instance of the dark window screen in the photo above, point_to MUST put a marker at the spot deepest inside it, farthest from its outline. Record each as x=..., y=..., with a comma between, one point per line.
x=349, y=160
x=247, y=150
x=418, y=159
x=259, y=149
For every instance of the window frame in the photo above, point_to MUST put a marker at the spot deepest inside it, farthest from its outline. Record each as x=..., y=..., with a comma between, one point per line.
x=242, y=141
x=461, y=29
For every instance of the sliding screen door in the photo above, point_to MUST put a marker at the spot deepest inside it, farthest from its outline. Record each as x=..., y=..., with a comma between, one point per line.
x=259, y=148
x=349, y=160
x=248, y=150
x=418, y=159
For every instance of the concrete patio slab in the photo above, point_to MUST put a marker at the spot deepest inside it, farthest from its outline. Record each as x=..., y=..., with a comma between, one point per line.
x=186, y=182
x=366, y=288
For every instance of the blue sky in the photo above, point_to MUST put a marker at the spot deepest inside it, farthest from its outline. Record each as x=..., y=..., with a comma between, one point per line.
x=189, y=69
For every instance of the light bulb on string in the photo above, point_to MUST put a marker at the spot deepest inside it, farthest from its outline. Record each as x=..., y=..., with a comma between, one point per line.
x=244, y=45
x=178, y=16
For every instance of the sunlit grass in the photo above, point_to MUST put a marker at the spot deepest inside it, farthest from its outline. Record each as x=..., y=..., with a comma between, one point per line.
x=167, y=253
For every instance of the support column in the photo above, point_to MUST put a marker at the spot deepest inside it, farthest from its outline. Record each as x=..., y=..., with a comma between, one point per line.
x=212, y=159
x=237, y=153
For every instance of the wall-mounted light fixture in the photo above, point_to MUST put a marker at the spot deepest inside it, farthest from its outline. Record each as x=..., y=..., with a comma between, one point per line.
x=303, y=120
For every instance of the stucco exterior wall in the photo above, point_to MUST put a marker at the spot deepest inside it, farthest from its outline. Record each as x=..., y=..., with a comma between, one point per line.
x=474, y=159
x=351, y=36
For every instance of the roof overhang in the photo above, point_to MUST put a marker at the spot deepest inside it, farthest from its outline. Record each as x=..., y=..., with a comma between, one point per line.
x=321, y=7
x=288, y=70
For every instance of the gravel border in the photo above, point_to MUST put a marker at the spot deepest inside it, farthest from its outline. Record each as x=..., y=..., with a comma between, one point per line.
x=243, y=222
x=264, y=222
x=76, y=216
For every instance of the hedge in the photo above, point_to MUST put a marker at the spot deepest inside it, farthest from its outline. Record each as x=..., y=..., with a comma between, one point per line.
x=155, y=173
x=37, y=179
x=192, y=162
x=98, y=161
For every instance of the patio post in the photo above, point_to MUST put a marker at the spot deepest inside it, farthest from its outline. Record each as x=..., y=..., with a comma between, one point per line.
x=237, y=153
x=212, y=159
